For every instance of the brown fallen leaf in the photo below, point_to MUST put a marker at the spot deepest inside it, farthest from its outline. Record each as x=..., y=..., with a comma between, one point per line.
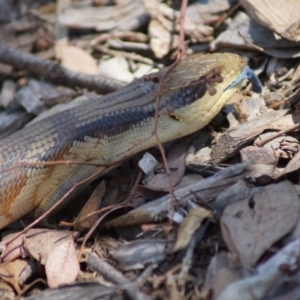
x=176, y=163
x=41, y=242
x=249, y=228
x=76, y=59
x=14, y=249
x=62, y=266
x=11, y=272
x=92, y=205
x=189, y=225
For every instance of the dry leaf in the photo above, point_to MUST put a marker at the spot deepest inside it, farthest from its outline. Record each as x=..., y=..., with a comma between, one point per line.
x=176, y=163
x=11, y=271
x=14, y=249
x=62, y=266
x=41, y=242
x=162, y=41
x=108, y=67
x=251, y=227
x=189, y=225
x=92, y=205
x=76, y=59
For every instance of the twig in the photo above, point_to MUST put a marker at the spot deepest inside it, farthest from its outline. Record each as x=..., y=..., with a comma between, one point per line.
x=128, y=55
x=231, y=11
x=132, y=36
x=181, y=52
x=182, y=48
x=247, y=41
x=94, y=227
x=53, y=72
x=115, y=276
x=276, y=135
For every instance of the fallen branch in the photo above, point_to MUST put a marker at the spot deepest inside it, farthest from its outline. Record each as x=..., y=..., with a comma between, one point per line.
x=53, y=72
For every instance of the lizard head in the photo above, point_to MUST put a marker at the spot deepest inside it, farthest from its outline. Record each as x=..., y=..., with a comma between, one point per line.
x=200, y=85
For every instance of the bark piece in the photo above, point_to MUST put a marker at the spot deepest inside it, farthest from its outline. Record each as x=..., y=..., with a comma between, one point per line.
x=241, y=135
x=80, y=291
x=12, y=120
x=137, y=254
x=265, y=161
x=125, y=15
x=32, y=95
x=288, y=255
x=206, y=190
x=163, y=28
x=243, y=32
x=277, y=15
x=293, y=165
x=238, y=191
x=253, y=287
x=222, y=270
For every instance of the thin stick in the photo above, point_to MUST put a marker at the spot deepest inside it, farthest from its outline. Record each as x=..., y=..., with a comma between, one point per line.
x=276, y=135
x=53, y=72
x=181, y=53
